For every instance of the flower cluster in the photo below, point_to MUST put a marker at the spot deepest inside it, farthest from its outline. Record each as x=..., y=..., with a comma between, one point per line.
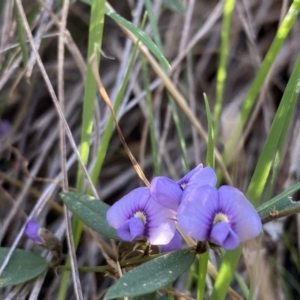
x=223, y=216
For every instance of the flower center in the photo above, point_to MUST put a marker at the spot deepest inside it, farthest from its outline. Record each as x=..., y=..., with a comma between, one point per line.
x=142, y=216
x=220, y=217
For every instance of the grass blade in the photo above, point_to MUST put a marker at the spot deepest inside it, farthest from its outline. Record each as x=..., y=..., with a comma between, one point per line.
x=222, y=72
x=95, y=41
x=261, y=173
x=262, y=73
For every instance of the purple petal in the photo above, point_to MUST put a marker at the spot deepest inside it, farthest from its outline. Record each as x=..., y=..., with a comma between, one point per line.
x=32, y=231
x=160, y=224
x=124, y=209
x=166, y=192
x=205, y=176
x=174, y=244
x=242, y=216
x=5, y=127
x=185, y=179
x=131, y=230
x=197, y=210
x=223, y=235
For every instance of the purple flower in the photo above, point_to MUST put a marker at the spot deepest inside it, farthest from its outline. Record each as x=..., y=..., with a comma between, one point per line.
x=222, y=216
x=166, y=192
x=174, y=244
x=32, y=230
x=137, y=216
x=197, y=177
x=169, y=193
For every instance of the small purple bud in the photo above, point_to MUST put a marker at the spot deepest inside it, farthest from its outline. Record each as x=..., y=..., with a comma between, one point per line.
x=32, y=230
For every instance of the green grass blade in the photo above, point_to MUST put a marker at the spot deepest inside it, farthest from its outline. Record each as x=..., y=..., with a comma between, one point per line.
x=277, y=133
x=90, y=88
x=261, y=173
x=210, y=157
x=153, y=138
x=101, y=153
x=262, y=73
x=174, y=5
x=153, y=24
x=21, y=36
x=240, y=280
x=141, y=36
x=177, y=123
x=222, y=72
x=175, y=116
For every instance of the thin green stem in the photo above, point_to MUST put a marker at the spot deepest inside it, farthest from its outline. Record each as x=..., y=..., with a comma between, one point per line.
x=203, y=261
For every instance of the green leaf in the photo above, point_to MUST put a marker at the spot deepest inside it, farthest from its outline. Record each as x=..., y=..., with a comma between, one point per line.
x=282, y=208
x=141, y=35
x=174, y=5
x=22, y=266
x=152, y=296
x=21, y=36
x=90, y=211
x=152, y=275
x=257, y=184
x=274, y=201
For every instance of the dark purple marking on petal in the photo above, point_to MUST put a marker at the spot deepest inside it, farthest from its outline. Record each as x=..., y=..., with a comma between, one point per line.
x=223, y=235
x=197, y=211
x=132, y=229
x=166, y=192
x=242, y=216
x=174, y=244
x=32, y=231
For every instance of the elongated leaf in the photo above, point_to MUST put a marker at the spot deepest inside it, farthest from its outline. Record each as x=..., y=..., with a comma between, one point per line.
x=281, y=208
x=152, y=275
x=23, y=266
x=261, y=173
x=174, y=5
x=152, y=296
x=21, y=37
x=210, y=157
x=274, y=201
x=90, y=211
x=141, y=35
